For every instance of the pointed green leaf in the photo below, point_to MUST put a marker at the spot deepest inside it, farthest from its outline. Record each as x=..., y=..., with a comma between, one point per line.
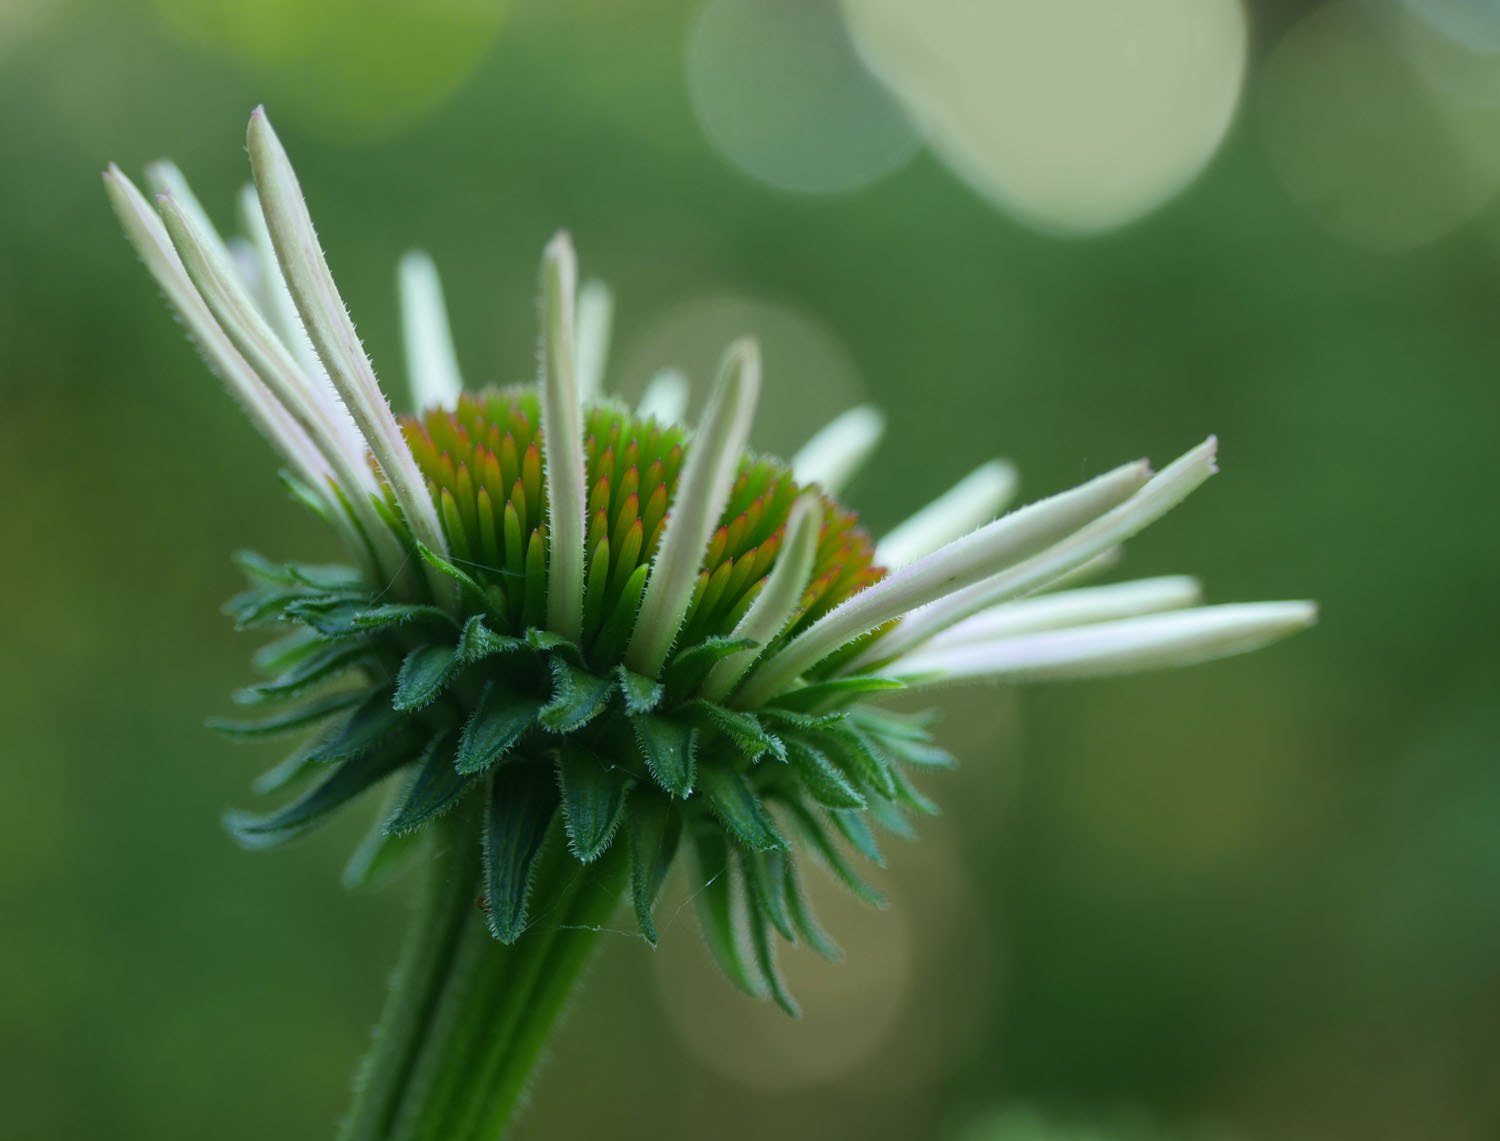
x=743, y=729
x=333, y=577
x=919, y=754
x=293, y=770
x=578, y=696
x=593, y=795
x=813, y=831
x=258, y=568
x=500, y=719
x=765, y=959
x=262, y=607
x=820, y=693
x=908, y=795
x=803, y=918
x=734, y=802
x=402, y=614
x=287, y=721
x=655, y=829
x=765, y=873
x=668, y=748
x=423, y=674
x=547, y=642
x=434, y=788
x=886, y=724
x=715, y=902
x=284, y=653
x=856, y=829
x=852, y=751
x=686, y=670
x=471, y=590
x=789, y=721
x=365, y=728
x=890, y=817
x=336, y=659
x=332, y=617
x=478, y=641
x=641, y=694
x=347, y=781
x=381, y=856
x=822, y=778
x=523, y=801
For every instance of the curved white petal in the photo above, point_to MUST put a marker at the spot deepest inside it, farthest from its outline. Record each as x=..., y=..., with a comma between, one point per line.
x=562, y=441
x=708, y=472
x=777, y=602
x=836, y=453
x=1124, y=646
x=1166, y=490
x=1074, y=608
x=431, y=363
x=665, y=399
x=971, y=502
x=957, y=565
x=333, y=335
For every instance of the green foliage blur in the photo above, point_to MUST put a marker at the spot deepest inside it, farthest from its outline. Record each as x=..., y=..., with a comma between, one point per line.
x=1261, y=896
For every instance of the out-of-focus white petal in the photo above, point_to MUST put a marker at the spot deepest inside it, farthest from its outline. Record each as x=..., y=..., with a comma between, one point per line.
x=1074, y=608
x=665, y=399
x=219, y=285
x=596, y=310
x=1181, y=638
x=777, y=602
x=332, y=332
x=431, y=363
x=969, y=503
x=713, y=457
x=955, y=566
x=1166, y=490
x=562, y=441
x=144, y=228
x=836, y=453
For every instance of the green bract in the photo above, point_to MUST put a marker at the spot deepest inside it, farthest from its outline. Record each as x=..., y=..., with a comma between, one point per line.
x=471, y=700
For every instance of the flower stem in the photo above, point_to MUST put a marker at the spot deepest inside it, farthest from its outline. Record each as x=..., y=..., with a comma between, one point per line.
x=468, y=1017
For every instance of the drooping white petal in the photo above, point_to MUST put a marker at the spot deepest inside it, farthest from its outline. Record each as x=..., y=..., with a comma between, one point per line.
x=777, y=602
x=838, y=450
x=1181, y=638
x=332, y=332
x=955, y=566
x=665, y=399
x=1166, y=490
x=708, y=472
x=562, y=441
x=971, y=502
x=1074, y=608
x=596, y=310
x=164, y=177
x=144, y=228
x=207, y=265
x=431, y=362
x=275, y=301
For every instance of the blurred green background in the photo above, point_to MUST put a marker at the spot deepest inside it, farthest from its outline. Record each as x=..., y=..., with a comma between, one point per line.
x=1261, y=897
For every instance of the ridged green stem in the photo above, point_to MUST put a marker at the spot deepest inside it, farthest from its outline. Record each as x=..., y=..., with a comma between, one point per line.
x=468, y=1018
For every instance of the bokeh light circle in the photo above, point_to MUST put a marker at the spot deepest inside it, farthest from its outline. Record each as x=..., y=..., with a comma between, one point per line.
x=780, y=91
x=1075, y=115
x=1376, y=153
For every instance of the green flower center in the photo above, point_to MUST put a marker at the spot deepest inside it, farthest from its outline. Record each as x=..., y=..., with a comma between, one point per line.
x=483, y=464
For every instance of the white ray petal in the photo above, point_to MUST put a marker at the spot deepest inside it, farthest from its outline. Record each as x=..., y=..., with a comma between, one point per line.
x=777, y=602
x=562, y=441
x=144, y=228
x=1074, y=608
x=1166, y=490
x=431, y=363
x=275, y=301
x=1181, y=638
x=596, y=311
x=708, y=472
x=971, y=502
x=665, y=399
x=164, y=177
x=836, y=453
x=234, y=310
x=955, y=566
x=332, y=332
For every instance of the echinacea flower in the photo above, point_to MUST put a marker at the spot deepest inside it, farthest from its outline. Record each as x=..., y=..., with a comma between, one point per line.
x=574, y=638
